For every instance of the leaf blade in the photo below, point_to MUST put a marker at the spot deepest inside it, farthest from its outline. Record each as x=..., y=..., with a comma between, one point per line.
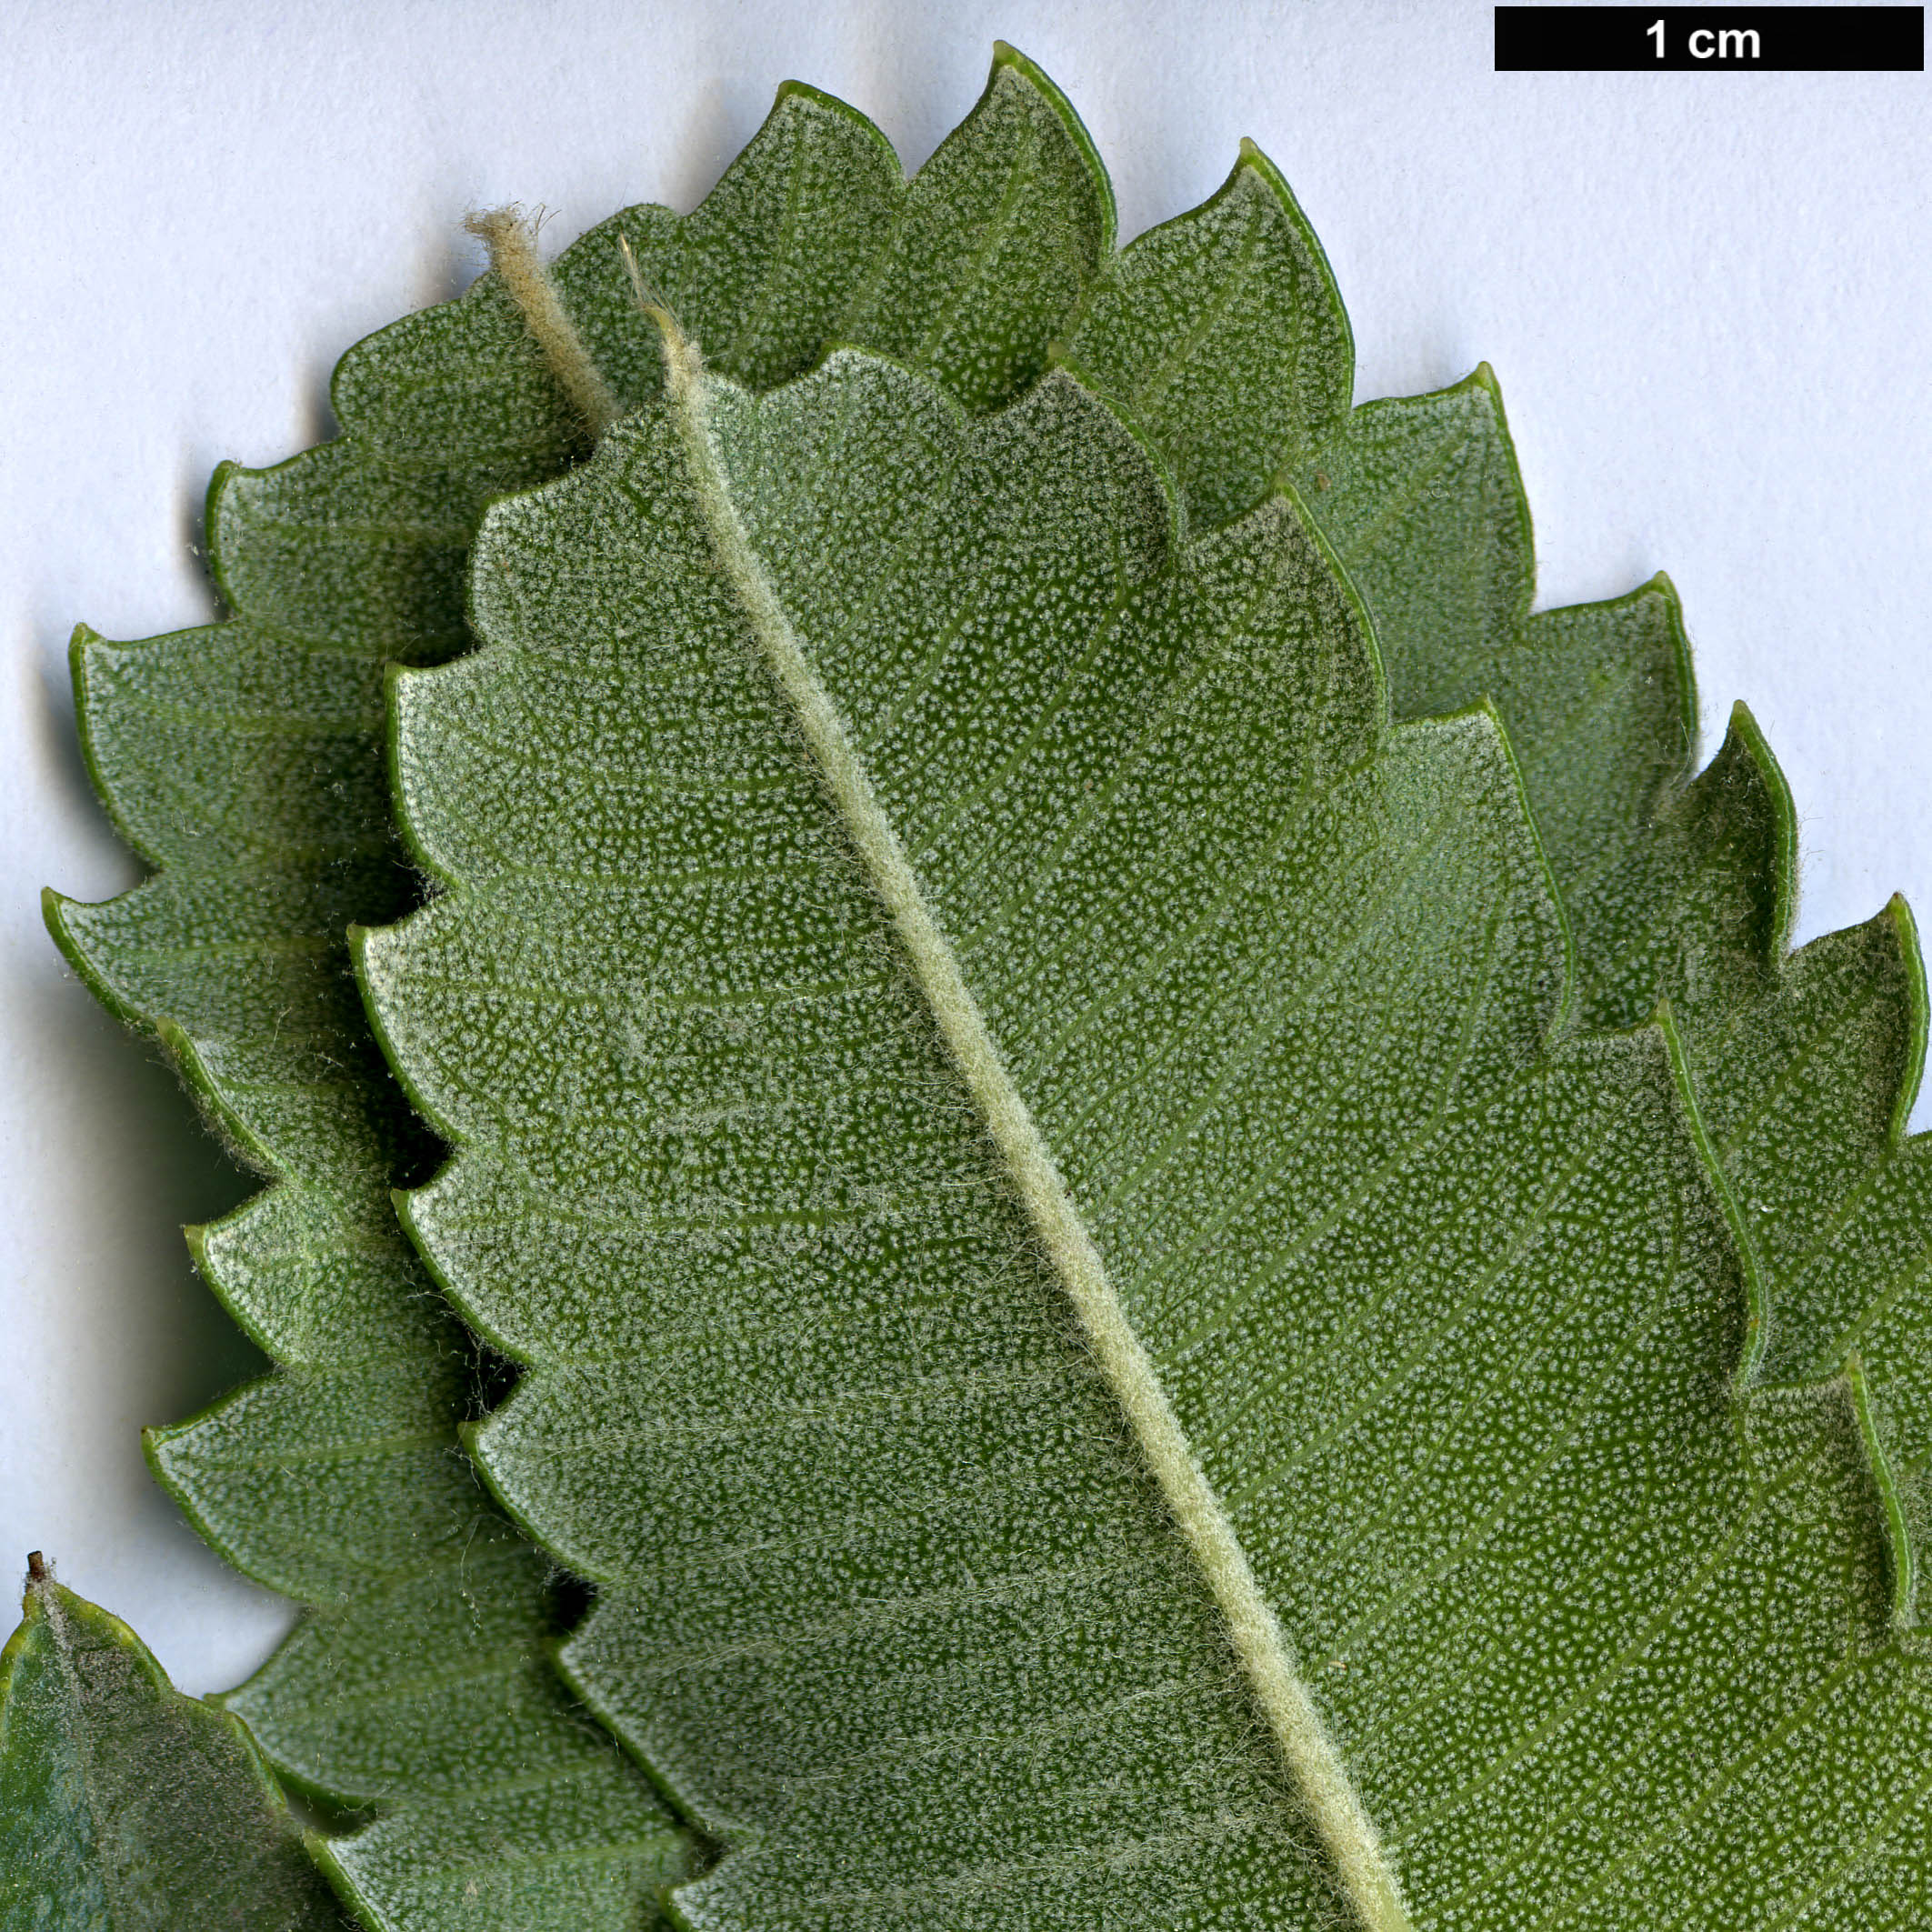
x=123, y=1802
x=1680, y=887
x=1223, y=333
x=772, y=1502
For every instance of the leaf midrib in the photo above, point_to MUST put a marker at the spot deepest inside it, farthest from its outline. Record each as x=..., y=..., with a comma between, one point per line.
x=1260, y=1646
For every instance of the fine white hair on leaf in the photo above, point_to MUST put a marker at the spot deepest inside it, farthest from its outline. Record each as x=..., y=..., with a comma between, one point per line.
x=510, y=239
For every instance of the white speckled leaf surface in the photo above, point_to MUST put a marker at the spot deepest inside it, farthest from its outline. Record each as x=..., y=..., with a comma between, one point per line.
x=125, y=1806
x=1681, y=886
x=1442, y=1290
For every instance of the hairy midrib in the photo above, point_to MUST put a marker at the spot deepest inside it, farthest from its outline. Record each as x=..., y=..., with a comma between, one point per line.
x=1327, y=1793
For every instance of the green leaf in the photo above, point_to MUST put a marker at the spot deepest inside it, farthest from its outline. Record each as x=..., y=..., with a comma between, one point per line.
x=125, y=1804
x=998, y=236
x=1680, y=887
x=968, y=271
x=1115, y=1355
x=439, y=1687
x=245, y=763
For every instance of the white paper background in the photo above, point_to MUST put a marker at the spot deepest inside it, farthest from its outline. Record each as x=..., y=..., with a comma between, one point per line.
x=1707, y=298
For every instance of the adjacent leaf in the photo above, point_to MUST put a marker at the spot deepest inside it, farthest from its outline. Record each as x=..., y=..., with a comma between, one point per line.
x=243, y=762
x=438, y=1686
x=125, y=1806
x=1678, y=887
x=1091, y=1316
x=967, y=271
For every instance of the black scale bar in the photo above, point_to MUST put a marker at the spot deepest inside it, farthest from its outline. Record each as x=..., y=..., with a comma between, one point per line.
x=1713, y=39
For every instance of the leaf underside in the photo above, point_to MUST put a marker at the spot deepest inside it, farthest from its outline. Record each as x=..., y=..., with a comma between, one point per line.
x=1678, y=888
x=245, y=762
x=1439, y=1288
x=123, y=1804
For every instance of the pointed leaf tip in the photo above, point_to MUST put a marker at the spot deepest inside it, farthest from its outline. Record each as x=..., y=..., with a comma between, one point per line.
x=122, y=1801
